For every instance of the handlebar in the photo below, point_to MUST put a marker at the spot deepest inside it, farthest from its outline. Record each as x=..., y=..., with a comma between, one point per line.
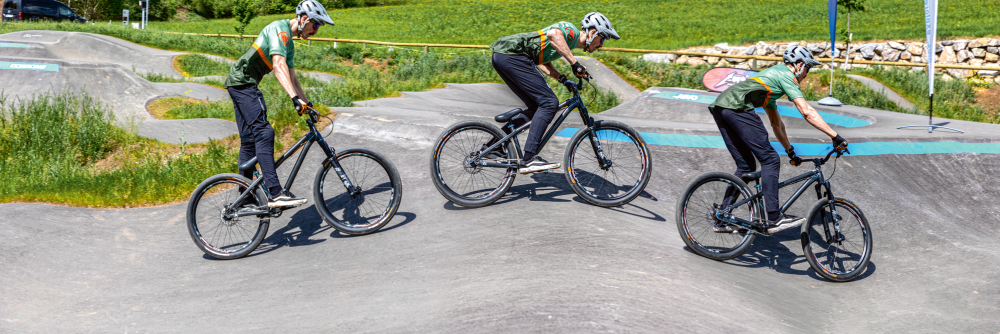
x=821, y=161
x=313, y=114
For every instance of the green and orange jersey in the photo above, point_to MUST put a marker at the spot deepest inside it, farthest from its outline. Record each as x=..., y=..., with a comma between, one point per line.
x=536, y=44
x=761, y=90
x=274, y=39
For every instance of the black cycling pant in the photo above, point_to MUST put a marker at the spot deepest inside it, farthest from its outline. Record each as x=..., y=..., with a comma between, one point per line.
x=746, y=138
x=256, y=134
x=522, y=76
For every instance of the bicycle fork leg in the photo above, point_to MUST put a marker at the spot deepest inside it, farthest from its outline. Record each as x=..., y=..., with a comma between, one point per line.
x=598, y=150
x=331, y=158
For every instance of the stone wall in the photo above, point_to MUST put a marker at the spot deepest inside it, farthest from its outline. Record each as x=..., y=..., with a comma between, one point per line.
x=976, y=52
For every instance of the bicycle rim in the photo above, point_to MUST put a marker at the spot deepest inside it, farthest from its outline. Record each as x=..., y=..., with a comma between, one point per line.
x=373, y=206
x=698, y=219
x=614, y=185
x=838, y=258
x=453, y=158
x=219, y=234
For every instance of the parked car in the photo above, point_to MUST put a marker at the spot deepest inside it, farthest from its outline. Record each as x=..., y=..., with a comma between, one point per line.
x=38, y=10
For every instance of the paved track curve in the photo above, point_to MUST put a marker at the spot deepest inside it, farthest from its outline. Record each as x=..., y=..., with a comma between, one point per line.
x=105, y=68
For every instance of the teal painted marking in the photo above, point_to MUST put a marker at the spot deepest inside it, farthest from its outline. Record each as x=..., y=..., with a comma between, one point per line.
x=835, y=119
x=13, y=45
x=809, y=149
x=4, y=65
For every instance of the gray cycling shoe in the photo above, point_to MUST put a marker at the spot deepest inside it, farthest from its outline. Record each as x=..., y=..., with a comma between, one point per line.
x=783, y=223
x=285, y=199
x=536, y=164
x=721, y=227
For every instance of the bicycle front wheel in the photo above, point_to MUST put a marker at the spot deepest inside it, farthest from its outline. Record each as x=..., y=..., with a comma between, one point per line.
x=621, y=178
x=456, y=173
x=696, y=216
x=837, y=240
x=367, y=211
x=213, y=217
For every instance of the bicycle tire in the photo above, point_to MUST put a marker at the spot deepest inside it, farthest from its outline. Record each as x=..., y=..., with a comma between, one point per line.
x=830, y=258
x=376, y=204
x=453, y=177
x=616, y=185
x=695, y=222
x=215, y=235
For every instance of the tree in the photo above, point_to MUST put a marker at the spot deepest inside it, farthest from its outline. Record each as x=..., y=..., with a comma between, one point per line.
x=851, y=6
x=244, y=11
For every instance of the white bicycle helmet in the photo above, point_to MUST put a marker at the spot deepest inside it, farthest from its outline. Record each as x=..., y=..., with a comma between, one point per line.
x=600, y=23
x=314, y=11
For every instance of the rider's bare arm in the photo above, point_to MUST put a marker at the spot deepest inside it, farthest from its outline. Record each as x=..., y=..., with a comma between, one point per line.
x=285, y=77
x=555, y=37
x=549, y=70
x=811, y=116
x=778, y=127
x=297, y=85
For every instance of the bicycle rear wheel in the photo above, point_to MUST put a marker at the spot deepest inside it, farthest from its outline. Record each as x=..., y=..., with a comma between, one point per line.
x=618, y=183
x=212, y=222
x=372, y=208
x=838, y=256
x=457, y=177
x=696, y=220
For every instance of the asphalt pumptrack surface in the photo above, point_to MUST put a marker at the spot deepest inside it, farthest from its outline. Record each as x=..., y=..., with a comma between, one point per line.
x=537, y=260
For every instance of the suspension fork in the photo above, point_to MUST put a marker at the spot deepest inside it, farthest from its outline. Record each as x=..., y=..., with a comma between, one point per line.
x=594, y=143
x=835, y=235
x=331, y=159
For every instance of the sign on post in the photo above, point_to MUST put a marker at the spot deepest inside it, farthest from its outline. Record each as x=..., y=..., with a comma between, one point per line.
x=125, y=17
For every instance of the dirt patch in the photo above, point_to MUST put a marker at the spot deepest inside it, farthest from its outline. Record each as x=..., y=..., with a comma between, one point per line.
x=159, y=108
x=989, y=99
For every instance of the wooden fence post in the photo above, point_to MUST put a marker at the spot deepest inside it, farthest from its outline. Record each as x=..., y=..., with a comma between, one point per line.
x=426, y=49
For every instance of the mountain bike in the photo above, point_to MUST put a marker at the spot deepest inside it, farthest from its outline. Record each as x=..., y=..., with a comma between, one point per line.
x=836, y=237
x=228, y=215
x=606, y=163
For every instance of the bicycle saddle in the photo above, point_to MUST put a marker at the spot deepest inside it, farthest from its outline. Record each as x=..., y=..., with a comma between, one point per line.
x=751, y=176
x=248, y=165
x=504, y=117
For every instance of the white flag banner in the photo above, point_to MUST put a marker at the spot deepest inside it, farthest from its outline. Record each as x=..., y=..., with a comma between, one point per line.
x=930, y=19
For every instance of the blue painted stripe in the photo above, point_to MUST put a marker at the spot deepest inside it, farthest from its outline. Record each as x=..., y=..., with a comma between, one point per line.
x=831, y=118
x=13, y=45
x=29, y=66
x=814, y=149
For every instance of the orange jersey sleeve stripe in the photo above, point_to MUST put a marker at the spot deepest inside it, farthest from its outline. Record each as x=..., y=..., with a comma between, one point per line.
x=769, y=91
x=263, y=57
x=541, y=50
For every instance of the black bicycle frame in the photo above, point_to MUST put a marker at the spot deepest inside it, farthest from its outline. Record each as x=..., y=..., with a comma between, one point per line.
x=567, y=107
x=814, y=176
x=306, y=141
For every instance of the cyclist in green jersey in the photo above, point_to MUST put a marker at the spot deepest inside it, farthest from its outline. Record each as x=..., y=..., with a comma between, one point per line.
x=273, y=50
x=746, y=137
x=521, y=59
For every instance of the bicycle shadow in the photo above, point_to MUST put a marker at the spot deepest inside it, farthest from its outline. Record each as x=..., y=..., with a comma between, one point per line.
x=771, y=252
x=542, y=191
x=305, y=224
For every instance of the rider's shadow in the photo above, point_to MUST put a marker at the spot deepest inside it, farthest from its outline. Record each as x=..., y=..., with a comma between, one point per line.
x=770, y=252
x=308, y=224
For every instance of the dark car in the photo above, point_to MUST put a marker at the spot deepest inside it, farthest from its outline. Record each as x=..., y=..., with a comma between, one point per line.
x=38, y=10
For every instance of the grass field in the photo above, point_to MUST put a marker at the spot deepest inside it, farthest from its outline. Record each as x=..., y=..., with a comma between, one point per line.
x=65, y=149
x=663, y=25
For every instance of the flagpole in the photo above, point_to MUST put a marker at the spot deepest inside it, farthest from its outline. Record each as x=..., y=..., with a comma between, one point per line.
x=832, y=7
x=930, y=21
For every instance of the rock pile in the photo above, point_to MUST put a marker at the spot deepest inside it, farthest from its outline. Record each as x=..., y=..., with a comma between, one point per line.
x=977, y=52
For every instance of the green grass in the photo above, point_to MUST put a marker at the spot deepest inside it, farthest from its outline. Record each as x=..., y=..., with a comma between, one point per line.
x=955, y=99
x=663, y=25
x=196, y=65
x=53, y=148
